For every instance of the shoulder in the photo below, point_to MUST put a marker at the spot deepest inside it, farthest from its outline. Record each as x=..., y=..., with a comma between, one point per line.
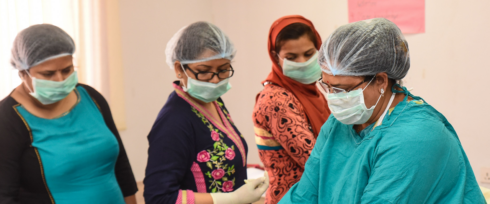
x=325, y=132
x=11, y=124
x=175, y=116
x=420, y=126
x=275, y=98
x=93, y=93
x=273, y=92
x=7, y=108
x=176, y=104
x=328, y=125
x=419, y=119
x=6, y=102
x=175, y=110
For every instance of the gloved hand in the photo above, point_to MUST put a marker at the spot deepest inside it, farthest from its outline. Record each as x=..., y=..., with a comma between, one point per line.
x=266, y=175
x=248, y=193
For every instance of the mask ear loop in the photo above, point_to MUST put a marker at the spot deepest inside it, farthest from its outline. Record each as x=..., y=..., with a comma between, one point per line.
x=184, y=86
x=382, y=93
x=25, y=84
x=368, y=83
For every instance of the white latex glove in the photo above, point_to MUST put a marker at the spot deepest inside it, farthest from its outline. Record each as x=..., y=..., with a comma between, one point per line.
x=248, y=193
x=266, y=176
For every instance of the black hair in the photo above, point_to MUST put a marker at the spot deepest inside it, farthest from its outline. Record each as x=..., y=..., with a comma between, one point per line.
x=293, y=32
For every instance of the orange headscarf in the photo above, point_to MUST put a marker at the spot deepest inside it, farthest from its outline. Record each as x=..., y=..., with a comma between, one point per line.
x=311, y=98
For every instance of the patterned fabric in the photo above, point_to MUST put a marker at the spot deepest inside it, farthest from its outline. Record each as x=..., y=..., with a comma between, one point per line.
x=284, y=138
x=215, y=158
x=192, y=150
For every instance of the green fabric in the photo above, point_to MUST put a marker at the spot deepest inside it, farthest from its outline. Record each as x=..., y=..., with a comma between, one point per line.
x=415, y=156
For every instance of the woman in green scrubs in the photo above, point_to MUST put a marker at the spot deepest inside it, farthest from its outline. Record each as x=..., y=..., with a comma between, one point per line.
x=381, y=144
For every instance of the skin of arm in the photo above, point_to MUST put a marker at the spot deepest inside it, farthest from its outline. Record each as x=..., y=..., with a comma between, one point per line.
x=203, y=198
x=130, y=199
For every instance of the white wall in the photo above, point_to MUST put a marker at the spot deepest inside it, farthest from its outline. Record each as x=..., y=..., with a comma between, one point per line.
x=449, y=63
x=146, y=26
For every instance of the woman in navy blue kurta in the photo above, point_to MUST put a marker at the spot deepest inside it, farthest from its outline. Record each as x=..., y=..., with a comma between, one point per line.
x=190, y=150
x=196, y=153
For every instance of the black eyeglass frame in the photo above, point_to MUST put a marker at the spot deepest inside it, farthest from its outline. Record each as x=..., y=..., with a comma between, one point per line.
x=196, y=74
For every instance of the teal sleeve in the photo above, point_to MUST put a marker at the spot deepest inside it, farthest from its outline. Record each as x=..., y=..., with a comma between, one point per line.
x=412, y=163
x=306, y=190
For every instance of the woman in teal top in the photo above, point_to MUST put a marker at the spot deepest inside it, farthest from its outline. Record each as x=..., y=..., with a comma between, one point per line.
x=58, y=141
x=381, y=144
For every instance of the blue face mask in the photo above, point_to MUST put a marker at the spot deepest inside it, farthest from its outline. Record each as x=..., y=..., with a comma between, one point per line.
x=205, y=91
x=49, y=92
x=304, y=72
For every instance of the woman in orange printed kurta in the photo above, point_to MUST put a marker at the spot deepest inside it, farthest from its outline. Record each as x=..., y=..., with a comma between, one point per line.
x=289, y=112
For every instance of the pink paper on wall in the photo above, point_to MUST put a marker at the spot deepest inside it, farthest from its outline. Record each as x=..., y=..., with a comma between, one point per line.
x=408, y=15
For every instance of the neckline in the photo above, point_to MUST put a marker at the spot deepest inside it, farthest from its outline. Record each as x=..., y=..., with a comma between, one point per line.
x=207, y=113
x=224, y=127
x=77, y=93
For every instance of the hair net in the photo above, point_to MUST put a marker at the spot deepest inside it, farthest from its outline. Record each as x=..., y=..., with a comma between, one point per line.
x=39, y=43
x=366, y=48
x=190, y=43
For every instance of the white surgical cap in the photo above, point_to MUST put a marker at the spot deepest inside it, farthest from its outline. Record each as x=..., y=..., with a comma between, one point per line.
x=190, y=42
x=365, y=48
x=39, y=43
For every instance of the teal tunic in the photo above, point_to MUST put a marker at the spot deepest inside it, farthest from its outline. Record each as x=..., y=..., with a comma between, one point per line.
x=414, y=156
x=78, y=154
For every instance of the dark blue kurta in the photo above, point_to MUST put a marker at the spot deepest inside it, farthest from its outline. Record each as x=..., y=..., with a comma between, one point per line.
x=190, y=150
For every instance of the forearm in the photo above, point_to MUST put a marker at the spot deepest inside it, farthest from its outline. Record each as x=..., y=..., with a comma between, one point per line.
x=203, y=198
x=130, y=199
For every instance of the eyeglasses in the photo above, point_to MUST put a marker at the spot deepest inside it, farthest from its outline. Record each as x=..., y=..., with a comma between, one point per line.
x=205, y=76
x=331, y=89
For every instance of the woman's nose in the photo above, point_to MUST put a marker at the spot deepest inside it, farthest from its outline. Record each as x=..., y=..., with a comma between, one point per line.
x=302, y=59
x=215, y=79
x=58, y=76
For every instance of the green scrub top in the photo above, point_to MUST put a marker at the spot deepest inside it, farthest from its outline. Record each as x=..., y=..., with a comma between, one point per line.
x=414, y=156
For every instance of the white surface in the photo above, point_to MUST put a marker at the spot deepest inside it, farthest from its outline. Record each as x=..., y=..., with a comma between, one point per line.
x=253, y=173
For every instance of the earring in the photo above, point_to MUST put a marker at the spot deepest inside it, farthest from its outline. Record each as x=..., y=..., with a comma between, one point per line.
x=179, y=75
x=382, y=91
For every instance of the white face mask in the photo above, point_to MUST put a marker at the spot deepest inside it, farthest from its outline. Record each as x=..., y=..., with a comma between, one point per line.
x=349, y=107
x=304, y=72
x=205, y=91
x=49, y=92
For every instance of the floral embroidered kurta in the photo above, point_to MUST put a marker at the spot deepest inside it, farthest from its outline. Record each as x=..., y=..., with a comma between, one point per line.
x=284, y=138
x=193, y=152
